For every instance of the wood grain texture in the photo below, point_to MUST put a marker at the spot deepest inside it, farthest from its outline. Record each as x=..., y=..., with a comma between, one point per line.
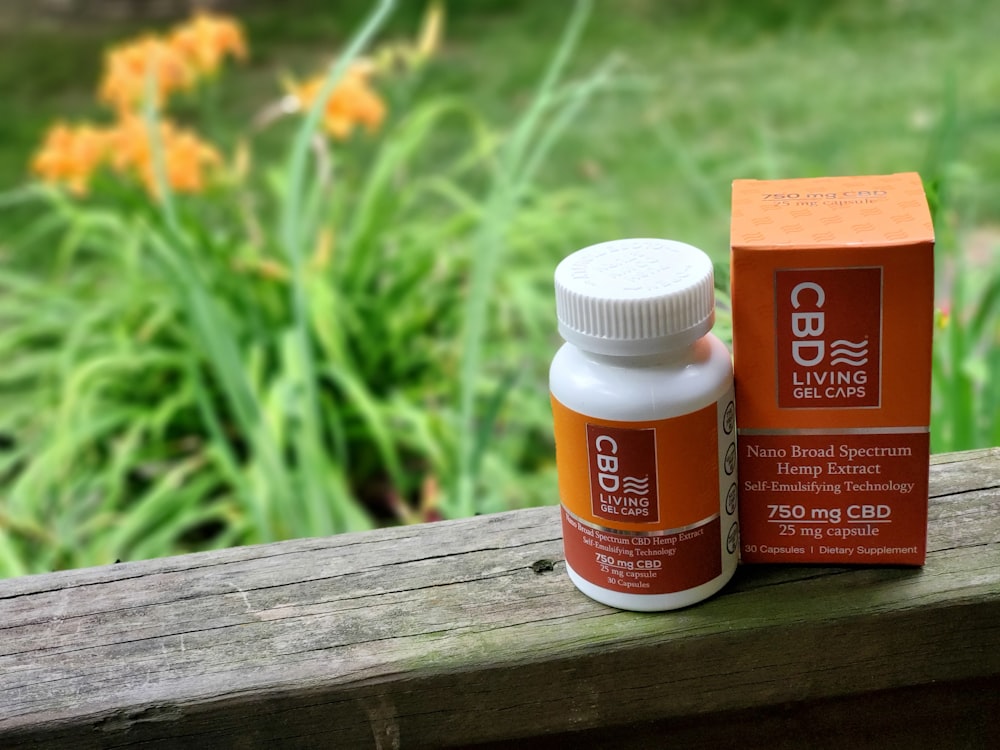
x=459, y=633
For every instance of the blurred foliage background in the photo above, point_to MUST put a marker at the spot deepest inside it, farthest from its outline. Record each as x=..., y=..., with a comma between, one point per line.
x=328, y=333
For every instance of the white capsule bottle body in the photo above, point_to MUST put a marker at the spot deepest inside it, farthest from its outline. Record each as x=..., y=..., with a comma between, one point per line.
x=648, y=565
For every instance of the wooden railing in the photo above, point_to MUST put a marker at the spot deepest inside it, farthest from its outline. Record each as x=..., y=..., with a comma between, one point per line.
x=469, y=633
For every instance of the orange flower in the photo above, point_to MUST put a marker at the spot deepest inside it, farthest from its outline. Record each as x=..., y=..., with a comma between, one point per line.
x=192, y=50
x=127, y=66
x=71, y=155
x=206, y=40
x=185, y=156
x=352, y=103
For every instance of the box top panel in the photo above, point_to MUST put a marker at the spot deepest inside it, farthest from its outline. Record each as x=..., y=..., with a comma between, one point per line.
x=828, y=211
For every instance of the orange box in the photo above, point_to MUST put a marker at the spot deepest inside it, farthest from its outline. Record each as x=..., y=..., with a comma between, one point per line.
x=832, y=290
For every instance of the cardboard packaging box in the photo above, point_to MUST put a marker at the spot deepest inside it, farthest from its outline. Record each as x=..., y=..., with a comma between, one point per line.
x=833, y=294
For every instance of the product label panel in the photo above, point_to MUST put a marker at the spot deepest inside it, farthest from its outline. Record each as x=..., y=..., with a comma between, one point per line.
x=643, y=563
x=828, y=337
x=623, y=484
x=857, y=498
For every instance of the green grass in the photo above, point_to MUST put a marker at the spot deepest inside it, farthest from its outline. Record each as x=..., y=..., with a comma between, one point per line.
x=711, y=92
x=722, y=89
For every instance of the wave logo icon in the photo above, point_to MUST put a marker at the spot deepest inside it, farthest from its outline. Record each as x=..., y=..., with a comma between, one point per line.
x=635, y=486
x=851, y=353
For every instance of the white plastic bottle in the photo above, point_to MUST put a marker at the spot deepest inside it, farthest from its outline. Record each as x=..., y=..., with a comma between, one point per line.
x=642, y=400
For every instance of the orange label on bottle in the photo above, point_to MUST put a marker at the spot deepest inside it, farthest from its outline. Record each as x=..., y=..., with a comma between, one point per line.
x=644, y=503
x=623, y=470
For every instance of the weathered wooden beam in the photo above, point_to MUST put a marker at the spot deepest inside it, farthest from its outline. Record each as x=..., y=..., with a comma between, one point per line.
x=468, y=632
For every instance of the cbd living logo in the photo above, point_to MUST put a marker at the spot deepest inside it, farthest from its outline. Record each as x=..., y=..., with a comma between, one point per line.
x=623, y=484
x=829, y=337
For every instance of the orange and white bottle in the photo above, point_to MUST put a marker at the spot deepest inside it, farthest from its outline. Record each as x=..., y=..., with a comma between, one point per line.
x=644, y=413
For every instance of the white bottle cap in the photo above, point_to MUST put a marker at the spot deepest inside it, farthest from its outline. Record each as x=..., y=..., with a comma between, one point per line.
x=635, y=296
